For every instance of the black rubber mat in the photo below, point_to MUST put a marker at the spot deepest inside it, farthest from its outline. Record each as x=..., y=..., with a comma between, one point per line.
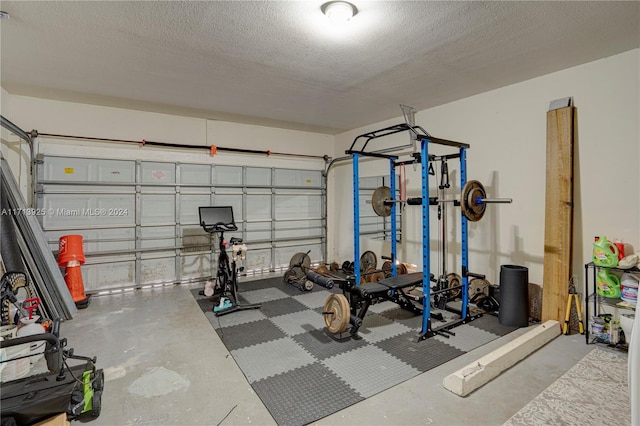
x=491, y=324
x=306, y=394
x=302, y=373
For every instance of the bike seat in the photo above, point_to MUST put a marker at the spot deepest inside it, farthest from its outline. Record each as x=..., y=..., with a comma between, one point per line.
x=235, y=240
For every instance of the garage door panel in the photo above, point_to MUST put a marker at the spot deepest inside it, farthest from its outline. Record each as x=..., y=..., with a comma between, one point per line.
x=189, y=207
x=299, y=233
x=258, y=176
x=86, y=170
x=298, y=178
x=157, y=236
x=155, y=172
x=258, y=207
x=258, y=259
x=227, y=175
x=198, y=174
x=294, y=206
x=158, y=270
x=157, y=208
x=87, y=210
x=98, y=240
x=194, y=239
x=196, y=265
x=114, y=274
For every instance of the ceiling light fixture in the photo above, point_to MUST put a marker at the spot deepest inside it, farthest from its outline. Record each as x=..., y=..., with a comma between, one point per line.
x=4, y=15
x=339, y=12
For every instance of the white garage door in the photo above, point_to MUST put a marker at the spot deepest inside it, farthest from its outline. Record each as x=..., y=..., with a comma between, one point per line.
x=139, y=219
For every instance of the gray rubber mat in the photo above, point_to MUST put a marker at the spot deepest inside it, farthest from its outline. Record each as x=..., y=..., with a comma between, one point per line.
x=303, y=373
x=422, y=356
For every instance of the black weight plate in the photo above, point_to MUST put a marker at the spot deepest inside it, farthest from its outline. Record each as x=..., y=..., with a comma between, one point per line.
x=300, y=259
x=380, y=195
x=368, y=260
x=470, y=208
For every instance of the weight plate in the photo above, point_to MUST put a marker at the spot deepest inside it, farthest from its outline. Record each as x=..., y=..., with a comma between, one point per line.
x=380, y=195
x=299, y=273
x=366, y=276
x=478, y=285
x=308, y=285
x=300, y=260
x=289, y=276
x=334, y=267
x=347, y=267
x=336, y=313
x=387, y=268
x=376, y=276
x=401, y=269
x=454, y=280
x=322, y=270
x=368, y=260
x=471, y=209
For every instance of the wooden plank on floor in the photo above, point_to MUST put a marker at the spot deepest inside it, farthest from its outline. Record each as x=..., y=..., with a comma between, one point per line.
x=558, y=233
x=488, y=367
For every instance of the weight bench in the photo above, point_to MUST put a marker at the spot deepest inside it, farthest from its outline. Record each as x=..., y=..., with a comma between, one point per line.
x=366, y=294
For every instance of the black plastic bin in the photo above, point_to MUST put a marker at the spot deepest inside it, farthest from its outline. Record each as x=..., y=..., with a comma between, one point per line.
x=514, y=296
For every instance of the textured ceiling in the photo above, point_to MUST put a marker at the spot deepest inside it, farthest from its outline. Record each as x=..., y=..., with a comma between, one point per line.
x=281, y=62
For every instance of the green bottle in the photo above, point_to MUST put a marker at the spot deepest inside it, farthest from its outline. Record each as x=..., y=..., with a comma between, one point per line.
x=605, y=253
x=608, y=284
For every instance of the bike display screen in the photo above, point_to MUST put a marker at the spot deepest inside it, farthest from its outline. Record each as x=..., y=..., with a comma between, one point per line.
x=212, y=216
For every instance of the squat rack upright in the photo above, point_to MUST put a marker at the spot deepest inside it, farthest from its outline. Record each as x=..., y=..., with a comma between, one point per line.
x=424, y=158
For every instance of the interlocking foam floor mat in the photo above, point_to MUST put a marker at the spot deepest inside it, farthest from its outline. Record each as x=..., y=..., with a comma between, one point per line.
x=302, y=374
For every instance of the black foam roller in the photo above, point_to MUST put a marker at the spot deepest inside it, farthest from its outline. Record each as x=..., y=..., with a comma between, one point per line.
x=320, y=280
x=514, y=296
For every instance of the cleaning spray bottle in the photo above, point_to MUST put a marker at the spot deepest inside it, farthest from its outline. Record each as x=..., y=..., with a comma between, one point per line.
x=605, y=253
x=608, y=284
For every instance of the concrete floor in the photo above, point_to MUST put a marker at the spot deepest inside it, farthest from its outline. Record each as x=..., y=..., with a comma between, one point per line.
x=164, y=364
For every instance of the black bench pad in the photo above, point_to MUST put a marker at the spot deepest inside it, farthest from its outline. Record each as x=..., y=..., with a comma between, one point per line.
x=373, y=288
x=402, y=281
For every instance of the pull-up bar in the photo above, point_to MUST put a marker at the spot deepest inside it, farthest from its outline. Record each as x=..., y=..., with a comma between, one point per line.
x=418, y=132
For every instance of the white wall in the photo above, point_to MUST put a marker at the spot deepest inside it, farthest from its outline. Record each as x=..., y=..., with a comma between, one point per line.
x=55, y=117
x=13, y=149
x=506, y=129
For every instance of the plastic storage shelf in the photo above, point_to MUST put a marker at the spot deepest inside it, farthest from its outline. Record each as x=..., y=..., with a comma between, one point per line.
x=595, y=300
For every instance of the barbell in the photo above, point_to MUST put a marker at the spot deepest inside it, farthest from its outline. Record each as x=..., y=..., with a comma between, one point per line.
x=473, y=201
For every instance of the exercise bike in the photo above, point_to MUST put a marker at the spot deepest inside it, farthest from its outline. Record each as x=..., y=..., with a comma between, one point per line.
x=218, y=220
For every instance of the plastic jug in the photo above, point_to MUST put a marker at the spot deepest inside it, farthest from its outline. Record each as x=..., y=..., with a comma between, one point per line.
x=608, y=284
x=30, y=326
x=605, y=253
